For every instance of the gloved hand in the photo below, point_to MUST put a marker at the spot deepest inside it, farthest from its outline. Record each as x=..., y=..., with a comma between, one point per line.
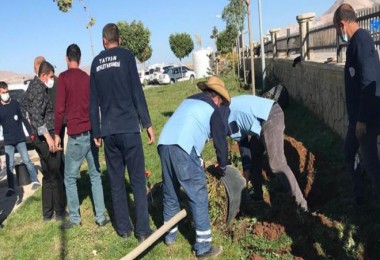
x=220, y=170
x=215, y=169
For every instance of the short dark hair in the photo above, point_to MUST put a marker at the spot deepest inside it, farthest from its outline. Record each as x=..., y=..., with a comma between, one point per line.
x=73, y=52
x=111, y=32
x=45, y=68
x=3, y=85
x=345, y=12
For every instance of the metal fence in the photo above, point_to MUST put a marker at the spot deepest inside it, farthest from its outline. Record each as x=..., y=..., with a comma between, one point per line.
x=323, y=39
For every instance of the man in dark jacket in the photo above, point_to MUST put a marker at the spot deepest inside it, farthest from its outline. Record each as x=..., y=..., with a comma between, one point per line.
x=362, y=88
x=115, y=87
x=39, y=108
x=12, y=121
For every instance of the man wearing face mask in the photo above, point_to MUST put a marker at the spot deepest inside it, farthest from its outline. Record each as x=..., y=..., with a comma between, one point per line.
x=52, y=92
x=362, y=88
x=11, y=120
x=38, y=105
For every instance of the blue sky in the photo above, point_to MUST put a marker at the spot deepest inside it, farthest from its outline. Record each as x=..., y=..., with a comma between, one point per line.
x=36, y=27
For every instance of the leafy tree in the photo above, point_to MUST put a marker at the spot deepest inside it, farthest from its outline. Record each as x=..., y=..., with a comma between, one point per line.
x=215, y=32
x=181, y=44
x=226, y=39
x=234, y=14
x=145, y=55
x=64, y=5
x=134, y=37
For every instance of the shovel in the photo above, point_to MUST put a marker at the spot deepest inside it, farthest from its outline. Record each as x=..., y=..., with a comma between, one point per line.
x=234, y=184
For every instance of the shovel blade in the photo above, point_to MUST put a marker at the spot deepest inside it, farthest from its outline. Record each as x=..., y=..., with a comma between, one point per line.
x=235, y=184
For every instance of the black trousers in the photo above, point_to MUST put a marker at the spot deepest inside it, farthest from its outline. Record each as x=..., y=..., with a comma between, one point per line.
x=53, y=191
x=126, y=150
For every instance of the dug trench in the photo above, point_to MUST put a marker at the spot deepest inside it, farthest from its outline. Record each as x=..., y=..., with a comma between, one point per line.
x=318, y=234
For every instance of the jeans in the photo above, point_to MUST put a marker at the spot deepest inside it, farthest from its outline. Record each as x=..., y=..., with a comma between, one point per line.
x=53, y=190
x=125, y=150
x=77, y=150
x=273, y=139
x=23, y=151
x=181, y=169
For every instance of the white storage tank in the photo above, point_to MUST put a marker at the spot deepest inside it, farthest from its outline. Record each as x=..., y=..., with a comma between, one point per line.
x=201, y=62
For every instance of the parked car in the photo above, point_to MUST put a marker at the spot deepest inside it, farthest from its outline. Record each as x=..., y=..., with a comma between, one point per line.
x=155, y=71
x=16, y=91
x=142, y=77
x=175, y=74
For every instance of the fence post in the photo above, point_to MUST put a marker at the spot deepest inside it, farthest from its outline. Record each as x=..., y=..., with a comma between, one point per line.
x=304, y=21
x=273, y=35
x=287, y=42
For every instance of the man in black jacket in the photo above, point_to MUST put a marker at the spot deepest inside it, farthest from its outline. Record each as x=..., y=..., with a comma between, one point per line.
x=39, y=107
x=362, y=88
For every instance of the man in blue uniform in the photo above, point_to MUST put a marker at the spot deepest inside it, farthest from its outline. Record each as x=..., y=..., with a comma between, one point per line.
x=362, y=88
x=180, y=146
x=115, y=87
x=11, y=120
x=262, y=120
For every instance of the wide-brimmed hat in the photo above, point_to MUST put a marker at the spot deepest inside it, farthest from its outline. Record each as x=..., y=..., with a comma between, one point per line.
x=216, y=84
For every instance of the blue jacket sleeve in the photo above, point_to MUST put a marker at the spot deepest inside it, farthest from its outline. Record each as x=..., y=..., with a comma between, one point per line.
x=218, y=133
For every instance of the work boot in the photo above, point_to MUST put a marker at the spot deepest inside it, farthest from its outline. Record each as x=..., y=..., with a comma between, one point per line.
x=214, y=251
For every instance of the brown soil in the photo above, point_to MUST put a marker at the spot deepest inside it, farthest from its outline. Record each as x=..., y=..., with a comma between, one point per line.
x=270, y=231
x=313, y=235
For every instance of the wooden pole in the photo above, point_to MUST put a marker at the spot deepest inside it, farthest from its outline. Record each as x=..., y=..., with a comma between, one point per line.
x=155, y=236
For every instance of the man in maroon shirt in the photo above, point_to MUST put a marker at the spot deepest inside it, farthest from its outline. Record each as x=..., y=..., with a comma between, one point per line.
x=73, y=101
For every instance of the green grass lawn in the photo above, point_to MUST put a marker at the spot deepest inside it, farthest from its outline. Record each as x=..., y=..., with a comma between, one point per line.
x=349, y=234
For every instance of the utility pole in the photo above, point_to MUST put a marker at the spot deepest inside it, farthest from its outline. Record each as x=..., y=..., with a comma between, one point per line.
x=243, y=57
x=263, y=69
x=248, y=2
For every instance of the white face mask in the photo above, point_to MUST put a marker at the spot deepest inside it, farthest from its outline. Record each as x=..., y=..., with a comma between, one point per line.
x=50, y=83
x=344, y=36
x=5, y=97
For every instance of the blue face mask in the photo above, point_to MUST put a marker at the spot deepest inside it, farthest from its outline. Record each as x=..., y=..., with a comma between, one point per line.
x=343, y=36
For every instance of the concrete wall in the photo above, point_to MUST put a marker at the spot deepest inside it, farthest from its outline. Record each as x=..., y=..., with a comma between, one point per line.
x=318, y=86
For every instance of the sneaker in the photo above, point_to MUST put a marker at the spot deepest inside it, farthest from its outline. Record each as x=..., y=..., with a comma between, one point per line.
x=144, y=237
x=126, y=235
x=36, y=185
x=169, y=243
x=10, y=192
x=214, y=251
x=46, y=219
x=104, y=222
x=61, y=217
x=69, y=224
